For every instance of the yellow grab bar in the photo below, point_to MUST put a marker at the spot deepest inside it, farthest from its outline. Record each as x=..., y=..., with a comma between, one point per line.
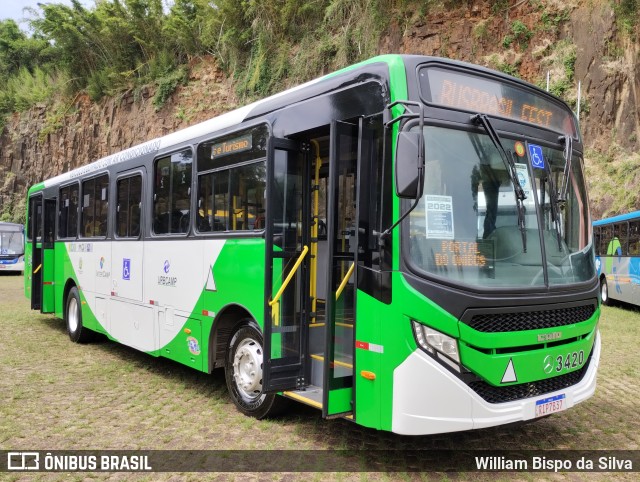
x=275, y=299
x=344, y=281
x=37, y=269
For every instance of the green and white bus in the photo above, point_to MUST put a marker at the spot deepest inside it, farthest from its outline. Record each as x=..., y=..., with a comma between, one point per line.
x=405, y=243
x=617, y=247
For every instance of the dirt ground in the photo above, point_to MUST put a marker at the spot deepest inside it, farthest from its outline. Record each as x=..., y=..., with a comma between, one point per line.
x=57, y=395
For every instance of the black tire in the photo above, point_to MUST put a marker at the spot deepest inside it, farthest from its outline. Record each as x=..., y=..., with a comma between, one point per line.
x=604, y=292
x=78, y=333
x=243, y=373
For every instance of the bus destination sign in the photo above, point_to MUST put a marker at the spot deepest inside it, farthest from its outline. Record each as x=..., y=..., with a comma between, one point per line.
x=491, y=96
x=231, y=146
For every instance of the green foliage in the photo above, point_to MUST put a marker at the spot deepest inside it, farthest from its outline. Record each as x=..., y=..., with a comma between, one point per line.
x=499, y=6
x=520, y=33
x=499, y=63
x=167, y=85
x=627, y=14
x=14, y=210
x=551, y=21
x=269, y=44
x=26, y=89
x=114, y=46
x=615, y=192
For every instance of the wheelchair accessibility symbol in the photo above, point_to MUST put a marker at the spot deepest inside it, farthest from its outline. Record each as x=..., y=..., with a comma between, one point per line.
x=126, y=268
x=537, y=159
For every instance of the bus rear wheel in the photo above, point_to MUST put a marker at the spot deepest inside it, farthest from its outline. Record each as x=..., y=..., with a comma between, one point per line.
x=604, y=291
x=243, y=373
x=73, y=317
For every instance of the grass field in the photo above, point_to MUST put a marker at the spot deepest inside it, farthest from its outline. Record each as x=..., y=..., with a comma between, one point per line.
x=58, y=395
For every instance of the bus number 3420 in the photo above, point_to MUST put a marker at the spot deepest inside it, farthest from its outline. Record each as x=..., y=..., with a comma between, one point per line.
x=571, y=360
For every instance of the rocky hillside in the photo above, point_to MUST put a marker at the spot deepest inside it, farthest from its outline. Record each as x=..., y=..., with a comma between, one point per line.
x=586, y=41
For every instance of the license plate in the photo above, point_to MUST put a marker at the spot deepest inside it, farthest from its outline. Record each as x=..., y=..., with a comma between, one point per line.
x=550, y=405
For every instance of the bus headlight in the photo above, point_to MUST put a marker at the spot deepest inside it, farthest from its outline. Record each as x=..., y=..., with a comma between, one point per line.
x=435, y=342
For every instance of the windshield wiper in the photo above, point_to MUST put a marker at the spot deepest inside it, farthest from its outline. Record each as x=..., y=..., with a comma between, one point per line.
x=568, y=154
x=507, y=158
x=554, y=200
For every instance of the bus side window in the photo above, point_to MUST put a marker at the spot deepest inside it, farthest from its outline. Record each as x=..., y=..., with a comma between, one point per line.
x=620, y=232
x=129, y=196
x=68, y=215
x=248, y=184
x=634, y=238
x=93, y=221
x=135, y=199
x=172, y=193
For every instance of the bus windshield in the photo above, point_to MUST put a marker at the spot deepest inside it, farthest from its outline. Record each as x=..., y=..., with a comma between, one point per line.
x=467, y=227
x=11, y=242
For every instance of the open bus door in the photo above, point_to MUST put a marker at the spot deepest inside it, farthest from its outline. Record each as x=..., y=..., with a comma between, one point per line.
x=35, y=268
x=48, y=256
x=342, y=252
x=286, y=363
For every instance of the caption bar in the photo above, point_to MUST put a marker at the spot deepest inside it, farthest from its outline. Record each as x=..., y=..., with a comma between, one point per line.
x=319, y=461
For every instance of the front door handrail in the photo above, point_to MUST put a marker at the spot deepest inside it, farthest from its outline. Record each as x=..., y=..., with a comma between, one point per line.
x=275, y=299
x=344, y=281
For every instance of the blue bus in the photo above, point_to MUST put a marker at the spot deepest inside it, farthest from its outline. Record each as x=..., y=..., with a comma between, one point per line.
x=11, y=247
x=617, y=244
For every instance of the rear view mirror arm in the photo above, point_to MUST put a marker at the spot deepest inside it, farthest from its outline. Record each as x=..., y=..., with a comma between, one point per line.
x=409, y=115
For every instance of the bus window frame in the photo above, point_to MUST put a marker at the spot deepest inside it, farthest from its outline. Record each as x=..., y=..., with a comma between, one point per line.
x=80, y=205
x=235, y=131
x=114, y=205
x=77, y=182
x=634, y=220
x=152, y=185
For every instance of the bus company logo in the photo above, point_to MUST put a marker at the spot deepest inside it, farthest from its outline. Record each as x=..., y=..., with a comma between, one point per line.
x=548, y=364
x=23, y=461
x=194, y=346
x=102, y=273
x=170, y=281
x=556, y=335
x=126, y=269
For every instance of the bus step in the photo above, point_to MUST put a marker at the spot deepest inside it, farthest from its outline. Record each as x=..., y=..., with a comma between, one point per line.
x=311, y=396
x=346, y=362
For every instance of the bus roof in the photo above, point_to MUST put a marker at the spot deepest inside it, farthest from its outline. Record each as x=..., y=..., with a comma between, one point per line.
x=615, y=219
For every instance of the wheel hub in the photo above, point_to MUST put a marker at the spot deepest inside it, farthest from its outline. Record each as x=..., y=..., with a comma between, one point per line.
x=72, y=315
x=247, y=368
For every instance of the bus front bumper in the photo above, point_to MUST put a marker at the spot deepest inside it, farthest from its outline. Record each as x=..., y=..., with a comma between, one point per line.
x=428, y=399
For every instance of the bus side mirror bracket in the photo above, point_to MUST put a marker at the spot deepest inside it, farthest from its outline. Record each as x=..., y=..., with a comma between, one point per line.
x=409, y=167
x=410, y=153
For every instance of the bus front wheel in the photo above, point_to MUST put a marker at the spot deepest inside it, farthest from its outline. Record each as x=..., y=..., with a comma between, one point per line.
x=604, y=291
x=243, y=373
x=73, y=317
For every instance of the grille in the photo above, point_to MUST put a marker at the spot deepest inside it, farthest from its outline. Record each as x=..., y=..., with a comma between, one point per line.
x=526, y=390
x=531, y=320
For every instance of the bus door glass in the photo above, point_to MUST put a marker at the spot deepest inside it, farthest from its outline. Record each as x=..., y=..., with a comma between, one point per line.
x=48, y=256
x=35, y=230
x=286, y=267
x=340, y=280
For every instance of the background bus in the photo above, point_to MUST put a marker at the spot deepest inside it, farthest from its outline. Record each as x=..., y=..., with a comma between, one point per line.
x=11, y=247
x=273, y=242
x=617, y=244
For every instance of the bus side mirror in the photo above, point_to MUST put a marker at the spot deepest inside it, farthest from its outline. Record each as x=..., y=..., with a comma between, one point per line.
x=409, y=160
